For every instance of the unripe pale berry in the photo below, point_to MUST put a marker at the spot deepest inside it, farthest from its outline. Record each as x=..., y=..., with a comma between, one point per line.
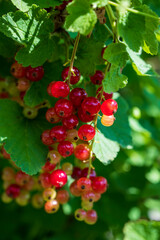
x=107, y=121
x=23, y=198
x=86, y=205
x=51, y=206
x=67, y=168
x=53, y=157
x=49, y=194
x=5, y=198
x=91, y=217
x=30, y=113
x=23, y=84
x=37, y=201
x=62, y=196
x=72, y=135
x=80, y=214
x=74, y=189
x=8, y=174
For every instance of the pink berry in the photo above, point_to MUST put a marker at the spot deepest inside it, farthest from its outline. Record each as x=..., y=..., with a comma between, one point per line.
x=84, y=184
x=58, y=178
x=88, y=196
x=51, y=116
x=62, y=196
x=75, y=75
x=64, y=108
x=65, y=148
x=109, y=107
x=74, y=189
x=34, y=74
x=91, y=106
x=77, y=95
x=84, y=117
x=60, y=89
x=91, y=217
x=58, y=133
x=82, y=152
x=70, y=122
x=99, y=185
x=97, y=78
x=13, y=191
x=86, y=132
x=46, y=139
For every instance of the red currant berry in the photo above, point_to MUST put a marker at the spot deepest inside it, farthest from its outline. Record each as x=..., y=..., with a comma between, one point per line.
x=37, y=201
x=84, y=117
x=8, y=174
x=21, y=178
x=72, y=135
x=91, y=106
x=65, y=148
x=84, y=184
x=97, y=78
x=62, y=196
x=109, y=107
x=67, y=168
x=82, y=152
x=105, y=95
x=74, y=189
x=75, y=75
x=99, y=185
x=46, y=139
x=49, y=194
x=53, y=157
x=22, y=94
x=84, y=173
x=107, y=121
x=58, y=178
x=13, y=191
x=49, y=88
x=86, y=205
x=91, y=217
x=23, y=84
x=51, y=206
x=76, y=174
x=70, y=122
x=44, y=180
x=51, y=116
x=58, y=133
x=64, y=108
x=77, y=95
x=80, y=214
x=17, y=70
x=60, y=89
x=86, y=132
x=34, y=74
x=48, y=167
x=88, y=196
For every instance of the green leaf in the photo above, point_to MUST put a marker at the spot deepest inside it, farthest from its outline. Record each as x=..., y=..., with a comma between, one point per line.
x=24, y=5
x=88, y=55
x=38, y=94
x=139, y=65
x=31, y=30
x=105, y=149
x=81, y=18
x=120, y=131
x=23, y=137
x=142, y=230
x=116, y=54
x=114, y=80
x=99, y=3
x=7, y=46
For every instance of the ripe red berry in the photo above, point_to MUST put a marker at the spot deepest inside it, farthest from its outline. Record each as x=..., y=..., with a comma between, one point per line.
x=88, y=196
x=84, y=117
x=44, y=180
x=23, y=84
x=77, y=95
x=84, y=184
x=13, y=191
x=65, y=148
x=49, y=88
x=91, y=106
x=62, y=196
x=60, y=89
x=82, y=152
x=107, y=121
x=70, y=122
x=58, y=133
x=76, y=174
x=109, y=107
x=99, y=185
x=97, y=78
x=84, y=173
x=21, y=178
x=51, y=206
x=64, y=108
x=17, y=70
x=74, y=189
x=34, y=74
x=80, y=214
x=91, y=217
x=58, y=178
x=105, y=95
x=48, y=167
x=46, y=139
x=75, y=75
x=51, y=116
x=86, y=132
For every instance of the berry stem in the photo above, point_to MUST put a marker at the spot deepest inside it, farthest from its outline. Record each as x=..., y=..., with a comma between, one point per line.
x=73, y=56
x=113, y=22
